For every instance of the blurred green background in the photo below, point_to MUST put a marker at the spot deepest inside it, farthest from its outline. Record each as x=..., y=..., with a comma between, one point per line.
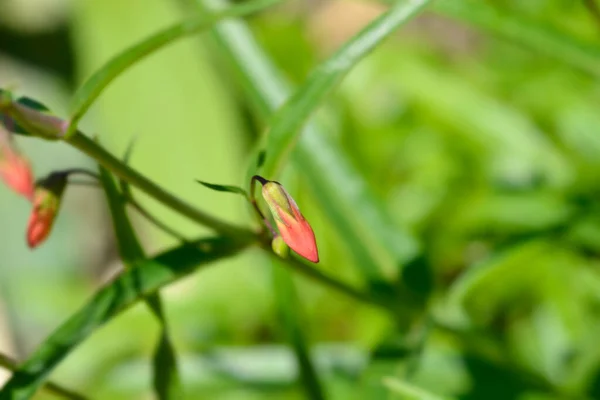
x=484, y=149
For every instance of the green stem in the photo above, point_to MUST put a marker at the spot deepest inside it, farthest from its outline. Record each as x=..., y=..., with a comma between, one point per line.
x=108, y=161
x=339, y=286
x=11, y=365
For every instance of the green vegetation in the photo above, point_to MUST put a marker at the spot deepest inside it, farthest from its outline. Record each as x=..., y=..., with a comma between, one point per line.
x=446, y=154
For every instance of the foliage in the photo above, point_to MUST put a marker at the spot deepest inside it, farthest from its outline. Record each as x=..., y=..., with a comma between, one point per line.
x=445, y=154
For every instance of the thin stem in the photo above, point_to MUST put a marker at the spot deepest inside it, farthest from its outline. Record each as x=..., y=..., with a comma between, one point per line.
x=313, y=273
x=84, y=183
x=152, y=219
x=81, y=171
x=130, y=175
x=10, y=364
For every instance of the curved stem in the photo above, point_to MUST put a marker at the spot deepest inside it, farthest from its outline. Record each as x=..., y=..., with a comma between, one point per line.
x=130, y=175
x=155, y=221
x=332, y=283
x=81, y=171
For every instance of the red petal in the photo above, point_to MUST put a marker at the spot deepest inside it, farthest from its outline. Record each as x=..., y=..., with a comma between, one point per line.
x=300, y=237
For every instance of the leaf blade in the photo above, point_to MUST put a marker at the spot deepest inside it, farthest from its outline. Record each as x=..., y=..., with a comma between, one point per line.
x=341, y=191
x=224, y=188
x=289, y=118
x=164, y=361
x=85, y=96
x=131, y=286
x=547, y=40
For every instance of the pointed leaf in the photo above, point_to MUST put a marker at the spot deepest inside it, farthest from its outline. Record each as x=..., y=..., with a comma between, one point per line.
x=284, y=129
x=144, y=278
x=339, y=189
x=224, y=188
x=95, y=85
x=166, y=377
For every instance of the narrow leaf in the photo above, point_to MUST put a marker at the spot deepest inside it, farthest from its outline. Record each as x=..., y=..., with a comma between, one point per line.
x=144, y=278
x=533, y=34
x=407, y=390
x=340, y=190
x=166, y=376
x=290, y=313
x=260, y=159
x=224, y=188
x=10, y=364
x=86, y=95
x=287, y=121
x=130, y=248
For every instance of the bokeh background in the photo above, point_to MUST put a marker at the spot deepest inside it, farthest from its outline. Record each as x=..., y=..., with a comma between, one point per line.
x=484, y=149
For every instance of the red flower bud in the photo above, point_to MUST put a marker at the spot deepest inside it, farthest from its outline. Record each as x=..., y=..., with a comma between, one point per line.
x=294, y=229
x=15, y=170
x=46, y=203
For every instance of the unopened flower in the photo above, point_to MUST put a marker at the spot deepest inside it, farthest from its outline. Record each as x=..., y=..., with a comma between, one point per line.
x=15, y=170
x=294, y=229
x=46, y=203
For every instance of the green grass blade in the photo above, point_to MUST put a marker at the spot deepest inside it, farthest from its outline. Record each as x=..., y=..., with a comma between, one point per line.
x=8, y=363
x=166, y=377
x=533, y=34
x=130, y=248
x=86, y=95
x=290, y=312
x=133, y=285
x=288, y=120
x=339, y=188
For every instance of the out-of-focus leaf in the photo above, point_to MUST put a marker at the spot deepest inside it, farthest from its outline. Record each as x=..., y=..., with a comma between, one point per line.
x=141, y=280
x=166, y=376
x=520, y=152
x=408, y=391
x=290, y=315
x=93, y=87
x=8, y=363
x=224, y=188
x=339, y=188
x=533, y=34
x=286, y=123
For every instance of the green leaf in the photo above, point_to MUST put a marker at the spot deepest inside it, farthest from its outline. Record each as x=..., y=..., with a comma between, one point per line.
x=10, y=123
x=224, y=188
x=290, y=314
x=130, y=248
x=144, y=278
x=533, y=34
x=86, y=95
x=339, y=188
x=285, y=125
x=166, y=376
x=33, y=104
x=10, y=364
x=260, y=159
x=407, y=390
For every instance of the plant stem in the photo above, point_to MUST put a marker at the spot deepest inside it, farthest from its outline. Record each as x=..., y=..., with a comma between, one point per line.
x=155, y=221
x=11, y=365
x=108, y=161
x=333, y=283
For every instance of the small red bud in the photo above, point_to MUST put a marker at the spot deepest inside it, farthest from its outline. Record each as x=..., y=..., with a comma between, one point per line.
x=294, y=229
x=46, y=203
x=15, y=170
